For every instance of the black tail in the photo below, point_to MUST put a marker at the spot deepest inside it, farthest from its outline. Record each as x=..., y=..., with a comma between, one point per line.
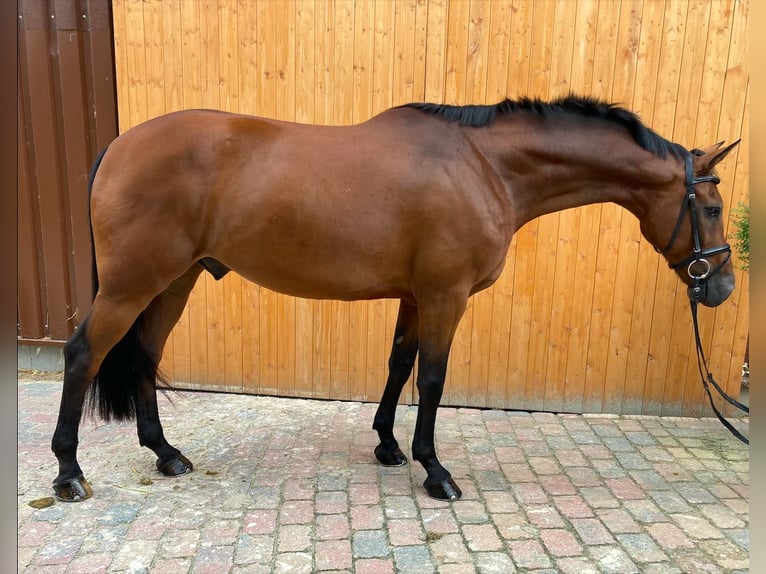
x=114, y=390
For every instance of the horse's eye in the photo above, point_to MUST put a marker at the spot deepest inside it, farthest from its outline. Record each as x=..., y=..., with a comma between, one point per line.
x=713, y=212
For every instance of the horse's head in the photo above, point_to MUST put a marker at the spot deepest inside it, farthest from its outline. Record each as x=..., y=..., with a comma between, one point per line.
x=689, y=232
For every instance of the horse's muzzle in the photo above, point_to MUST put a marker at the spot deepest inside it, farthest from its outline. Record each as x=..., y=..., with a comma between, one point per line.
x=714, y=291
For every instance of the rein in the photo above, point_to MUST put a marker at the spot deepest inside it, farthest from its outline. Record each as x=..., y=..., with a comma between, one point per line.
x=697, y=291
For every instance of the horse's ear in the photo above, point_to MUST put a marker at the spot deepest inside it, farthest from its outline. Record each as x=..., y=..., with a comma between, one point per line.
x=712, y=155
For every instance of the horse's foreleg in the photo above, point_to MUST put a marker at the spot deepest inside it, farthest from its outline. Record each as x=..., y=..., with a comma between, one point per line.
x=438, y=322
x=158, y=320
x=84, y=352
x=400, y=363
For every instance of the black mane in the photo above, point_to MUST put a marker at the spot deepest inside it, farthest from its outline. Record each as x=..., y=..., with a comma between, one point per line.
x=478, y=116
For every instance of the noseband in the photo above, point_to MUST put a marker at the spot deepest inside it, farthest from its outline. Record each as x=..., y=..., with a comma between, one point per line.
x=699, y=255
x=697, y=290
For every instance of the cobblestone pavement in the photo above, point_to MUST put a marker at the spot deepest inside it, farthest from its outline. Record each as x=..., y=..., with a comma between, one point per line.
x=291, y=485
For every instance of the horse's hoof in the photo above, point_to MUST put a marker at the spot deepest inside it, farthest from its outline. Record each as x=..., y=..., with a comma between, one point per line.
x=73, y=490
x=176, y=466
x=444, y=490
x=390, y=457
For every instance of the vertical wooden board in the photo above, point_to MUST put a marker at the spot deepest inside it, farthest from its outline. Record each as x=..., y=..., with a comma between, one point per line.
x=419, y=78
x=458, y=19
x=519, y=50
x=606, y=254
x=713, y=78
x=376, y=348
x=668, y=289
x=136, y=62
x=324, y=18
x=343, y=53
x=543, y=12
x=210, y=44
x=213, y=324
x=520, y=256
x=248, y=66
x=436, y=52
x=666, y=286
x=321, y=355
x=586, y=26
x=191, y=58
x=647, y=59
x=228, y=52
x=122, y=78
x=501, y=335
x=181, y=348
x=251, y=341
x=340, y=325
x=586, y=230
x=362, y=58
x=498, y=64
x=480, y=336
x=266, y=54
x=232, y=332
x=268, y=342
x=477, y=54
x=542, y=280
x=542, y=300
x=286, y=356
x=404, y=49
x=623, y=301
x=284, y=78
x=697, y=17
x=500, y=22
x=563, y=263
x=562, y=47
x=734, y=188
x=725, y=345
x=206, y=323
x=172, y=55
x=305, y=69
x=357, y=350
x=382, y=76
x=153, y=56
x=525, y=241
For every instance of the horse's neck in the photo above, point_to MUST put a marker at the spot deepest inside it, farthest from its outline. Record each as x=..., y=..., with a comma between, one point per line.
x=548, y=172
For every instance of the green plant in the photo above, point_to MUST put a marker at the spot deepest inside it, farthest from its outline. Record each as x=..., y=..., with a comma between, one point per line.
x=741, y=234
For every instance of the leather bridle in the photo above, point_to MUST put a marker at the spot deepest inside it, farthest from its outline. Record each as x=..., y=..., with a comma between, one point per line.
x=698, y=289
x=699, y=256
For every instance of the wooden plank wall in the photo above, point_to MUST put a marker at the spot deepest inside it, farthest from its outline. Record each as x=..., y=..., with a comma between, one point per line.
x=67, y=112
x=586, y=317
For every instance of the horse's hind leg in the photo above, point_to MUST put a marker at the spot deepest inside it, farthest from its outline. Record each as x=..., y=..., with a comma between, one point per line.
x=107, y=322
x=157, y=322
x=400, y=363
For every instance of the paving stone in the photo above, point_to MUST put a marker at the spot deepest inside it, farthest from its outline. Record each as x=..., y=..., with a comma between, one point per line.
x=370, y=544
x=300, y=491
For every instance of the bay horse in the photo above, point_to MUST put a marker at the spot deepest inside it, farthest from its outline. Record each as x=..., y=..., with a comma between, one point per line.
x=419, y=203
